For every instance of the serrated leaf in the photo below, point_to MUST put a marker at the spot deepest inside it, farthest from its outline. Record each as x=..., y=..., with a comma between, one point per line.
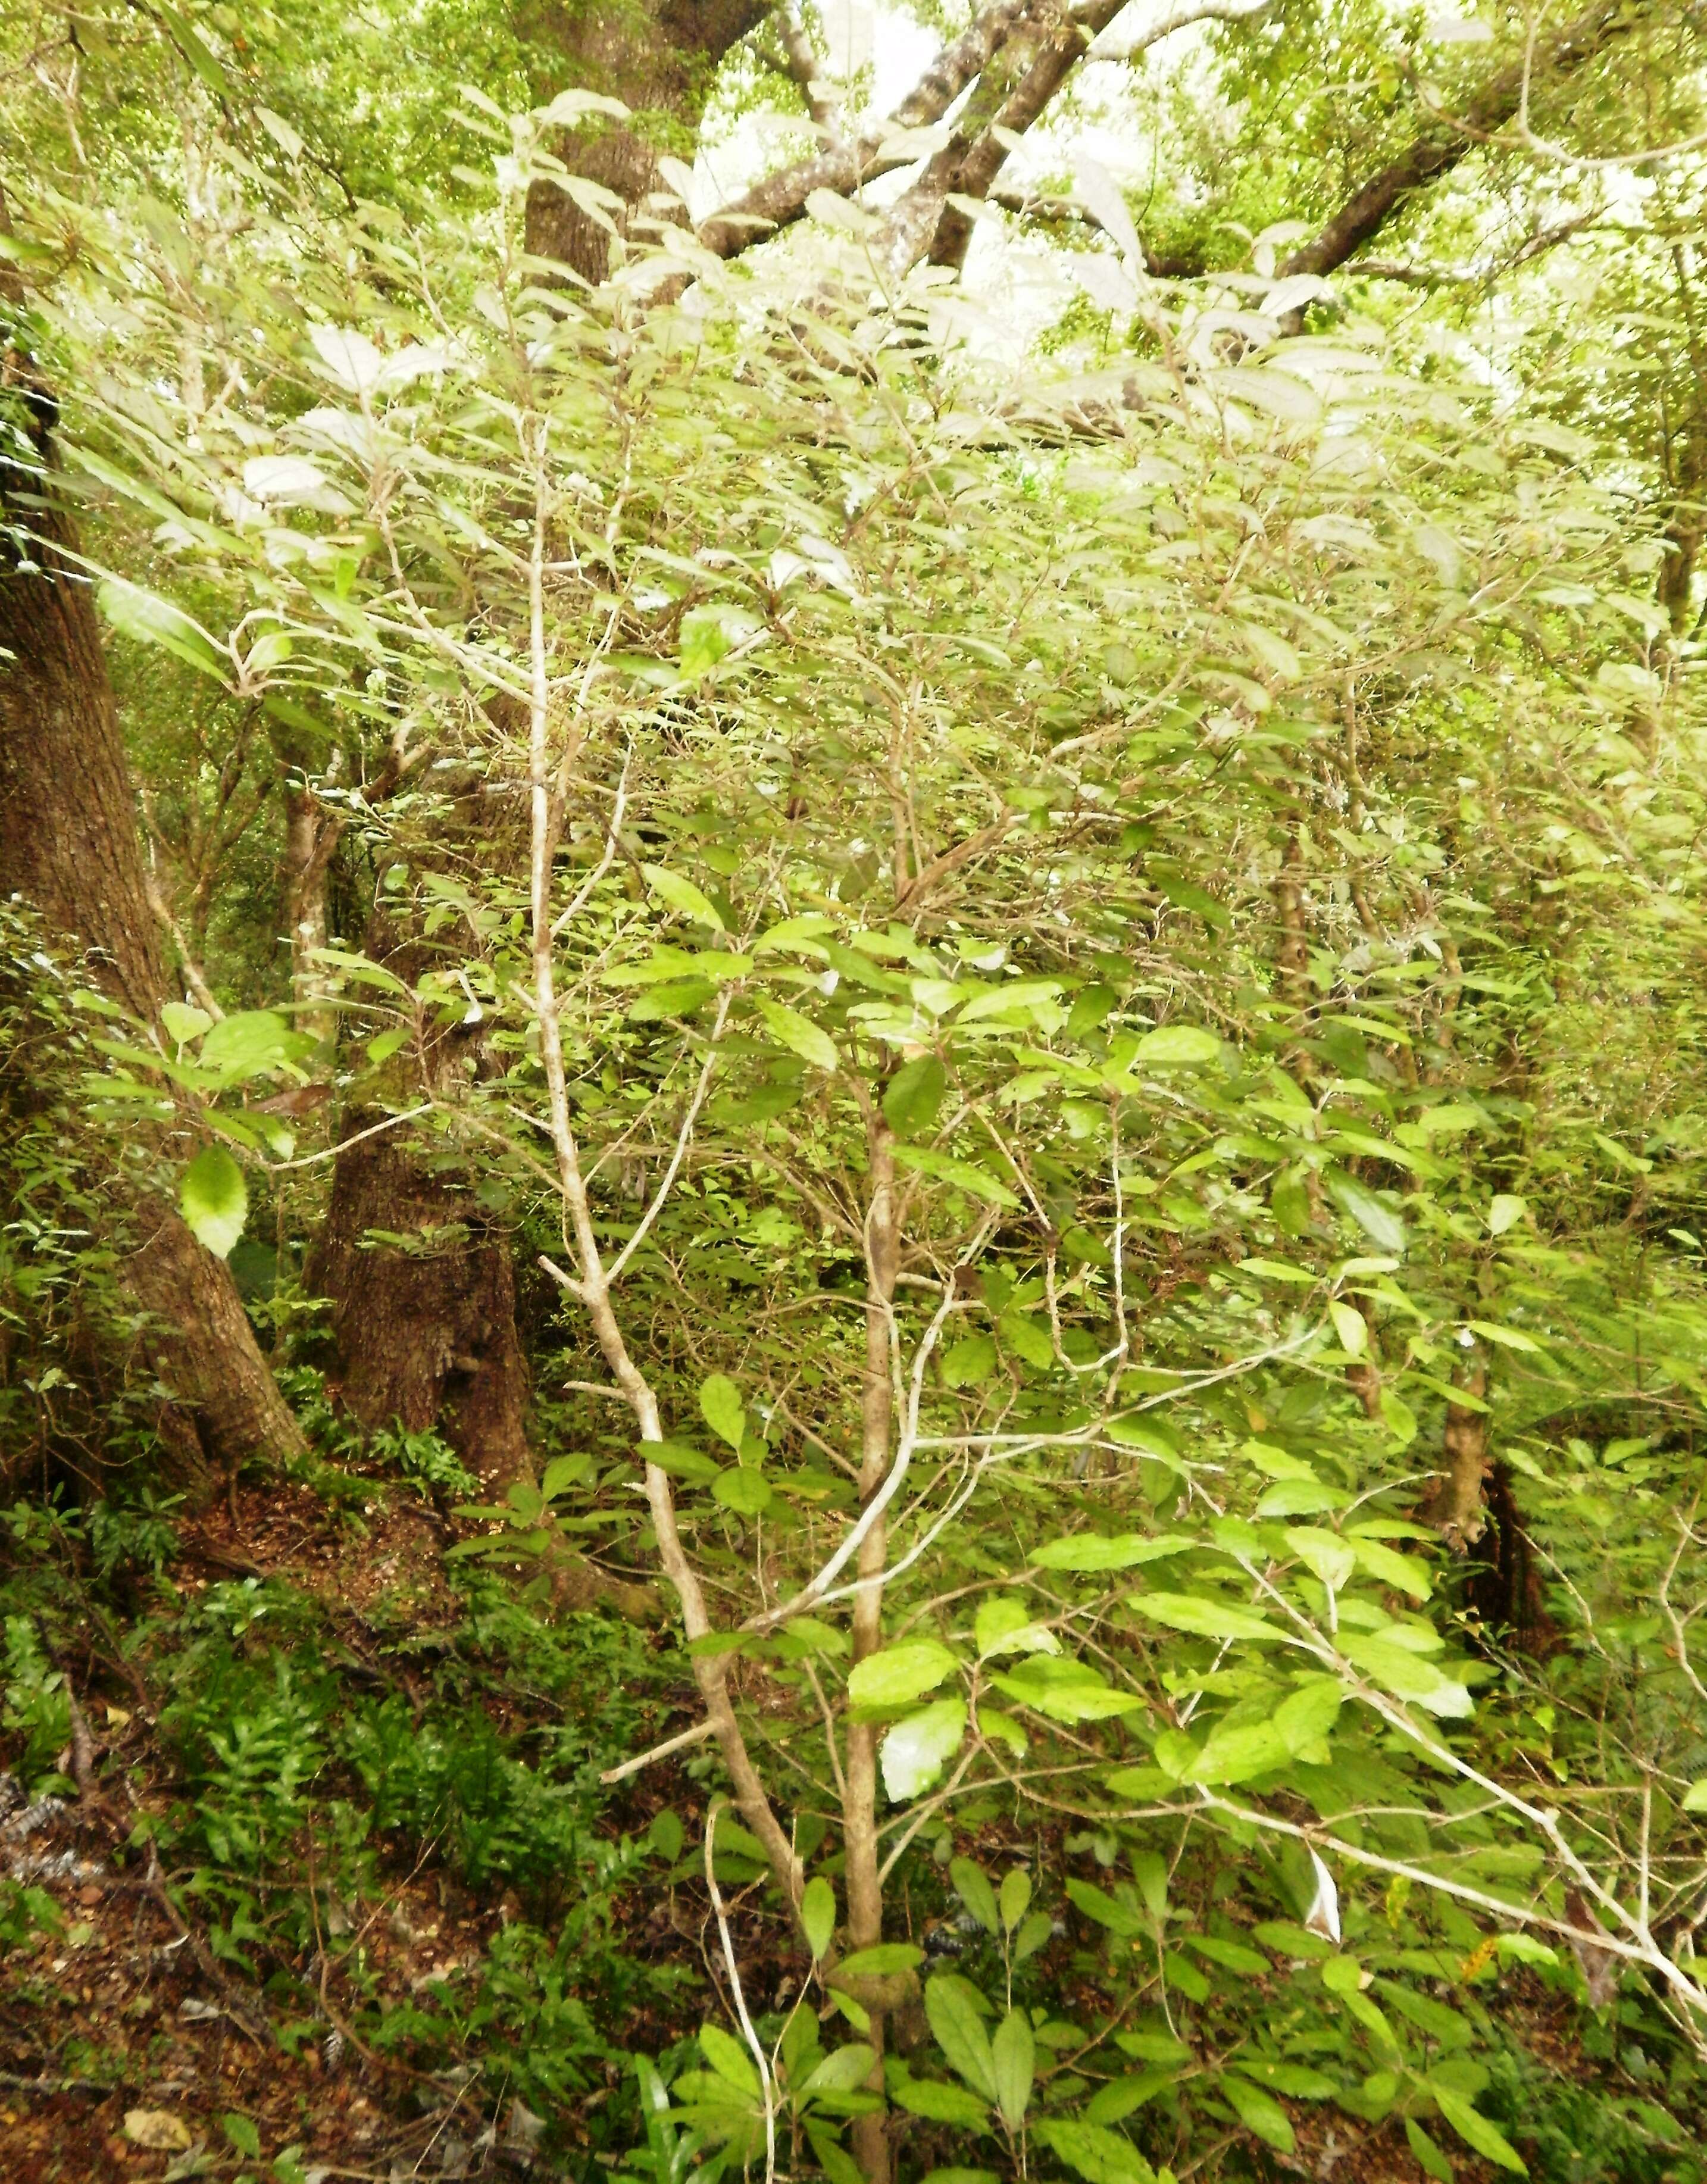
x=1406, y=1674
x=682, y=896
x=1474, y=2130
x=728, y=2060
x=1065, y=1690
x=956, y=2020
x=1099, y=2155
x=969, y=1363
x=1258, y=2112
x=1304, y=1718
x=214, y=1199
x=938, y=2103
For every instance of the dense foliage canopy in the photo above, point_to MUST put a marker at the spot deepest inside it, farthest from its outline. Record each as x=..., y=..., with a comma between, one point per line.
x=852, y=1283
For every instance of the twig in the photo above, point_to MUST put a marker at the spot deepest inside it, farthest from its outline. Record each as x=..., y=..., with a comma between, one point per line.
x=697, y=1734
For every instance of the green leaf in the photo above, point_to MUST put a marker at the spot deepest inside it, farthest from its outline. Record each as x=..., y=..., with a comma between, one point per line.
x=1099, y=2155
x=1065, y=1690
x=1028, y=1339
x=972, y=1886
x=1381, y=1226
x=800, y=1035
x=1203, y=1618
x=682, y=896
x=708, y=635
x=1695, y=1796
x=917, y=1749
x=747, y=1493
x=1016, y=1897
x=1506, y=1212
x=1329, y=1557
x=1101, y=1550
x=848, y=2069
x=900, y=1673
x=1406, y=1674
x=1258, y=2112
x=1300, y=1497
x=253, y=1042
x=1177, y=1046
x=1475, y=2131
x=953, y=2007
x=963, y=1173
x=562, y=1471
x=913, y=1095
x=183, y=1022
x=1013, y=2054
x=243, y=2135
x=1004, y=1625
x=1120, y=1918
x=214, y=1199
x=140, y=615
x=1235, y=1755
x=940, y=2103
x=1351, y=1327
x=1404, y=1573
x=1429, y=2158
x=1305, y=1718
x=729, y=2058
x=818, y=1914
x=969, y=1363
x=720, y=1407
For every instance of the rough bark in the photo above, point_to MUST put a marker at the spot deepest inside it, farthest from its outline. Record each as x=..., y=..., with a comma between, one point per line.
x=661, y=59
x=69, y=844
x=1455, y=1508
x=1439, y=147
x=426, y=1332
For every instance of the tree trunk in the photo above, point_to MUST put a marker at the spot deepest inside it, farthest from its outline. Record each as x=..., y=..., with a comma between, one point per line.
x=69, y=844
x=311, y=837
x=424, y=1331
x=661, y=59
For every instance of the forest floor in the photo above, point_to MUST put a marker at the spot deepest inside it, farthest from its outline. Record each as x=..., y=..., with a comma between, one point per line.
x=135, y=2042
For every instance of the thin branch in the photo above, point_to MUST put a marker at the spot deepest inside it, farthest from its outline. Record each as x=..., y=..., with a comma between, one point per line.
x=697, y=1734
x=780, y=199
